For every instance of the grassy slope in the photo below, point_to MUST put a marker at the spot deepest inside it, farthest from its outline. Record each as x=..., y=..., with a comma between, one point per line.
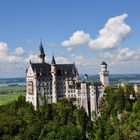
x=12, y=88
x=6, y=98
x=12, y=93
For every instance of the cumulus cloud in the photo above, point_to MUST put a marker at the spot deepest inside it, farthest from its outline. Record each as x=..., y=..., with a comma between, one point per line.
x=69, y=49
x=32, y=57
x=114, y=32
x=11, y=63
x=126, y=54
x=51, y=44
x=122, y=60
x=121, y=55
x=84, y=63
x=19, y=51
x=3, y=50
x=78, y=38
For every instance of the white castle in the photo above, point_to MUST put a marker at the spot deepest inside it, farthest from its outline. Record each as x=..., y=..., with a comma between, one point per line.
x=51, y=82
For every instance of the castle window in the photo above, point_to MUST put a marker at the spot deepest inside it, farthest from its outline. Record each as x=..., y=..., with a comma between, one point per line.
x=58, y=72
x=30, y=87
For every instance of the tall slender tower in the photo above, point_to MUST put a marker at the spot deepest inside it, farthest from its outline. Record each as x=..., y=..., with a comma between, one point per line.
x=53, y=72
x=41, y=54
x=104, y=74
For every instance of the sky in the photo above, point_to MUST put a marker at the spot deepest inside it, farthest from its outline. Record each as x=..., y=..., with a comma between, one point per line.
x=84, y=32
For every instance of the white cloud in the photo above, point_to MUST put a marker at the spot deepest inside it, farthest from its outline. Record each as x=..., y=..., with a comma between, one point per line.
x=69, y=49
x=78, y=38
x=114, y=32
x=3, y=50
x=122, y=60
x=51, y=44
x=121, y=56
x=84, y=63
x=126, y=54
x=62, y=60
x=12, y=64
x=33, y=57
x=19, y=51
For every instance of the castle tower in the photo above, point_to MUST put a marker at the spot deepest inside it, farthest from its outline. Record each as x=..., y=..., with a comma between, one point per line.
x=41, y=54
x=93, y=102
x=53, y=72
x=84, y=96
x=86, y=77
x=104, y=74
x=31, y=91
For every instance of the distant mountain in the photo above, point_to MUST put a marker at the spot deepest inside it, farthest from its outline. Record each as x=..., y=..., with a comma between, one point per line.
x=11, y=80
x=114, y=78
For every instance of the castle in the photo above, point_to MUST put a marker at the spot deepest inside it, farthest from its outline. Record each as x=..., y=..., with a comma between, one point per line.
x=51, y=82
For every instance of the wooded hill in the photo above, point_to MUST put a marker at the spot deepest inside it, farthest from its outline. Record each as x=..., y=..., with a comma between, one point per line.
x=119, y=119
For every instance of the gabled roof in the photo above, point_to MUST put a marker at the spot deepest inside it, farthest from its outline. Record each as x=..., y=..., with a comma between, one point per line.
x=61, y=69
x=66, y=69
x=41, y=68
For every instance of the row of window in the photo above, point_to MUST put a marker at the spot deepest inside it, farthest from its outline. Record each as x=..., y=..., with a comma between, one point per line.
x=71, y=95
x=58, y=78
x=71, y=91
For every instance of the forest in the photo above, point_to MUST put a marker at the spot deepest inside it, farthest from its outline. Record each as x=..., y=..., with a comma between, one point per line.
x=119, y=119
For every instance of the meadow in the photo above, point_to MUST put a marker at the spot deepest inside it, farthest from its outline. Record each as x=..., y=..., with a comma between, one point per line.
x=10, y=93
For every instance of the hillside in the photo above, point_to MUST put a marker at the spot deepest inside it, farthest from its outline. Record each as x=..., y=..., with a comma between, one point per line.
x=119, y=119
x=11, y=80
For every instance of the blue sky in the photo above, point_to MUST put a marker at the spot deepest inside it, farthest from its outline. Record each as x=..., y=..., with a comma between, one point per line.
x=86, y=32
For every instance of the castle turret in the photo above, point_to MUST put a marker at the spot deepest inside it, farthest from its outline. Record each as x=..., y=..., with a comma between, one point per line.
x=84, y=96
x=104, y=74
x=53, y=72
x=53, y=61
x=86, y=77
x=41, y=54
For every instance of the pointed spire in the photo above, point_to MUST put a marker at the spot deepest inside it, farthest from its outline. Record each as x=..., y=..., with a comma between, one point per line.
x=30, y=61
x=77, y=74
x=53, y=60
x=41, y=53
x=41, y=49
